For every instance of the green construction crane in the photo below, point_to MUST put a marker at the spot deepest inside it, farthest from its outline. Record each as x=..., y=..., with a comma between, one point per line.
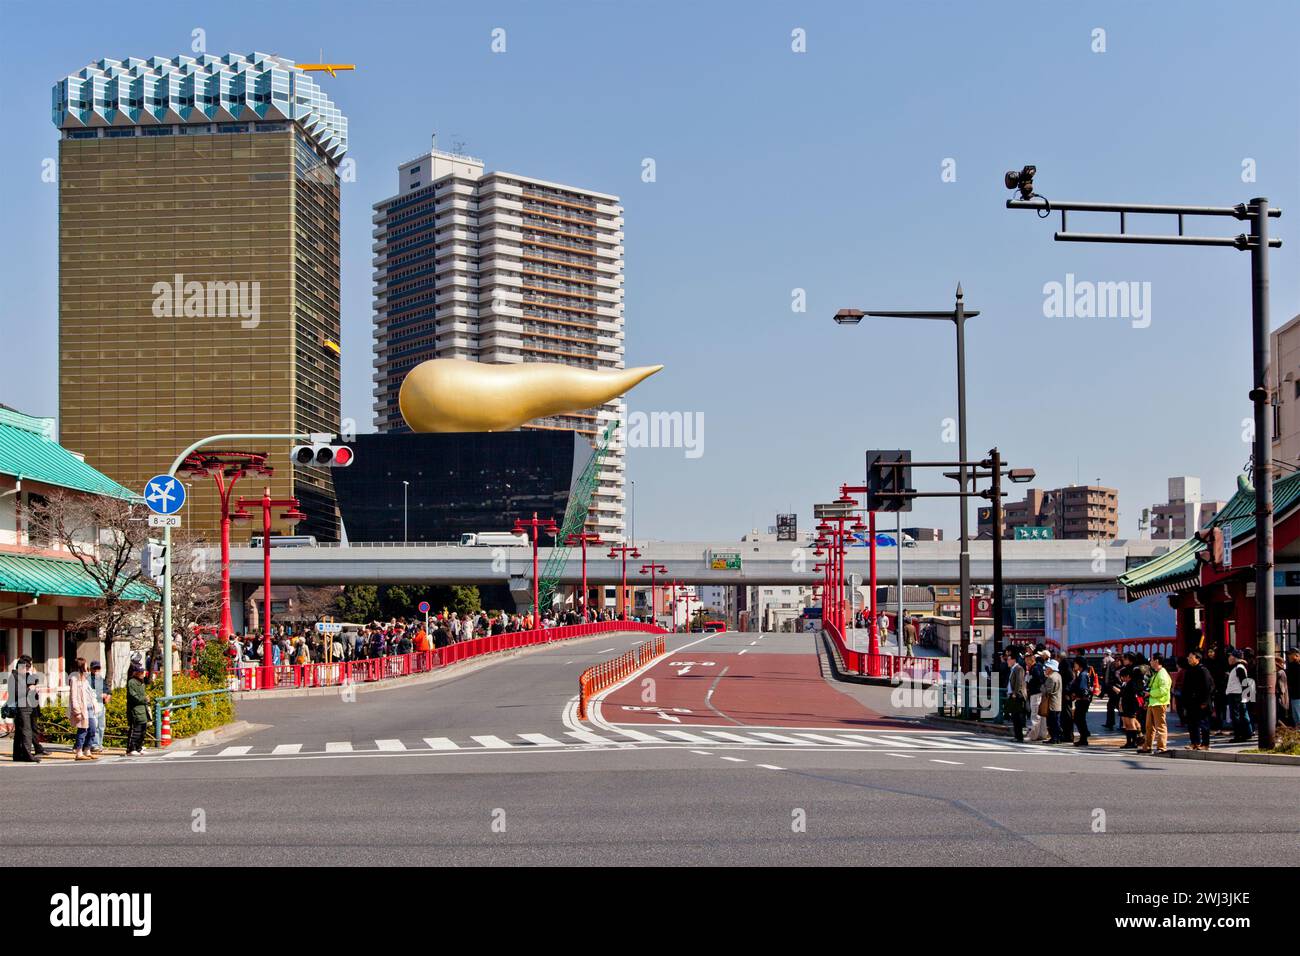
x=575, y=517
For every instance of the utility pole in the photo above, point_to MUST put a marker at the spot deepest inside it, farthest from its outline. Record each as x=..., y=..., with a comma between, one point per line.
x=1257, y=212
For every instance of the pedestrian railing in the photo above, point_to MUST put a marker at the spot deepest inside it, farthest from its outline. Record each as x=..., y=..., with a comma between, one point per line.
x=608, y=673
x=370, y=669
x=891, y=666
x=179, y=702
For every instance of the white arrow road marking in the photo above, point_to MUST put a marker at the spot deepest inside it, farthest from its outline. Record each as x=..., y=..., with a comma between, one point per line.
x=663, y=716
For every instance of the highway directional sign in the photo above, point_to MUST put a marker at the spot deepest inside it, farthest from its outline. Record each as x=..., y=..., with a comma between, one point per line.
x=164, y=494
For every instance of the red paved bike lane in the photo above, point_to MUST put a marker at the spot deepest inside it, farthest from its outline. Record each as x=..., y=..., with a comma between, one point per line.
x=761, y=690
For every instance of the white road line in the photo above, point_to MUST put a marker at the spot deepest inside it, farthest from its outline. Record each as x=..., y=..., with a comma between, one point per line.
x=586, y=736
x=390, y=744
x=541, y=740
x=780, y=738
x=736, y=738
x=769, y=766
x=606, y=650
x=950, y=742
x=180, y=753
x=752, y=643
x=846, y=742
x=441, y=743
x=286, y=749
x=904, y=756
x=736, y=759
x=741, y=651
x=702, y=753
x=955, y=763
x=490, y=742
x=926, y=742
x=1003, y=769
x=627, y=732
x=234, y=751
x=338, y=747
x=689, y=738
x=882, y=741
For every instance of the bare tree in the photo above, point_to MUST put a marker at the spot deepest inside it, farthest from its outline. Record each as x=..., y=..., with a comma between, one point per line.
x=104, y=535
x=314, y=603
x=196, y=594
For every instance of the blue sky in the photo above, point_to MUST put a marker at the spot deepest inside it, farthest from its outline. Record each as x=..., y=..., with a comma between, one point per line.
x=778, y=171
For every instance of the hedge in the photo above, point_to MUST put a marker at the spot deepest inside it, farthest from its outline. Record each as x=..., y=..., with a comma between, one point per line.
x=185, y=721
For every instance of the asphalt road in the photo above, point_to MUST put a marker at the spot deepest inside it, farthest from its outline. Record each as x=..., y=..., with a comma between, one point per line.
x=489, y=767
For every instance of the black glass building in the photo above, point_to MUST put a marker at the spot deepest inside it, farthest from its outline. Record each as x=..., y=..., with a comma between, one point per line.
x=455, y=483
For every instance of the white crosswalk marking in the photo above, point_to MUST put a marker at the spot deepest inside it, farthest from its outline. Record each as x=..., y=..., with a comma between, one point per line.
x=683, y=735
x=338, y=747
x=490, y=742
x=735, y=738
x=587, y=737
x=389, y=744
x=180, y=753
x=541, y=740
x=234, y=751
x=845, y=742
x=441, y=743
x=286, y=749
x=896, y=741
x=781, y=738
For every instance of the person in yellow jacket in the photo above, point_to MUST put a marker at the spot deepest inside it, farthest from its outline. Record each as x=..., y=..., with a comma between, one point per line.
x=1158, y=691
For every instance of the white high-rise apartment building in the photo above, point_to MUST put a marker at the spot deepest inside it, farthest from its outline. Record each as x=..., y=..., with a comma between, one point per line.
x=498, y=267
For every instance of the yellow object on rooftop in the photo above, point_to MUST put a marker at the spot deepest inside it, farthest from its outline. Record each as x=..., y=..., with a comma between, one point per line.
x=329, y=68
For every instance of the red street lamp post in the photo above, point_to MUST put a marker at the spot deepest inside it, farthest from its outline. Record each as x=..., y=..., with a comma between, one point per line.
x=652, y=569
x=583, y=538
x=614, y=551
x=537, y=528
x=226, y=467
x=292, y=516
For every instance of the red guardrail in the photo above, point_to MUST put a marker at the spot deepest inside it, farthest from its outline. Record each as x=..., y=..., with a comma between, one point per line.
x=367, y=670
x=607, y=673
x=883, y=665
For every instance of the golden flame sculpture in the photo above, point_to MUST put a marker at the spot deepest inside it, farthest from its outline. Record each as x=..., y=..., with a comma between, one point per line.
x=453, y=395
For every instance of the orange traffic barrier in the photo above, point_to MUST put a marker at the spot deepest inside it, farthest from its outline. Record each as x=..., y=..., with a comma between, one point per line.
x=608, y=673
x=166, y=739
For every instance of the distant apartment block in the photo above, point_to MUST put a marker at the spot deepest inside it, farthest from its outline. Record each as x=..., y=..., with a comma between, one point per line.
x=1077, y=512
x=1185, y=512
x=499, y=267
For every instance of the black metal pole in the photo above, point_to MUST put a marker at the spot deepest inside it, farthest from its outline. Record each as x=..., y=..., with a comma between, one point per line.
x=1262, y=397
x=959, y=316
x=996, y=457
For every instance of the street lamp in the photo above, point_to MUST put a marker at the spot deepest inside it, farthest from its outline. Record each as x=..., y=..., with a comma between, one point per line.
x=405, y=485
x=624, y=550
x=537, y=528
x=1258, y=212
x=652, y=569
x=958, y=316
x=583, y=538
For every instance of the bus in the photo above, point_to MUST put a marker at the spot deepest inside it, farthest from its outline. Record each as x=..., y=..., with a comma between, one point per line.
x=285, y=541
x=714, y=627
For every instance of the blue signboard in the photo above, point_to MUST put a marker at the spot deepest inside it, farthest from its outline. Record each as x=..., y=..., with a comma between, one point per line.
x=164, y=494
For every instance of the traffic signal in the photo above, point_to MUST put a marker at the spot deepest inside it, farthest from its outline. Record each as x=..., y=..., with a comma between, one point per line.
x=1212, y=553
x=152, y=565
x=321, y=455
x=883, y=482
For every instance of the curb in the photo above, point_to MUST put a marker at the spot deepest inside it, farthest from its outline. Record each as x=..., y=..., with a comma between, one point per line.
x=205, y=738
x=457, y=669
x=1285, y=760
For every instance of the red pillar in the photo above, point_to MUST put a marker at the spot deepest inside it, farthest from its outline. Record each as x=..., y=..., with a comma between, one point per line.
x=875, y=640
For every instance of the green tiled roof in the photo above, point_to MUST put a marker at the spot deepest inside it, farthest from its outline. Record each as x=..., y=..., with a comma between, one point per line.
x=1179, y=567
x=28, y=450
x=34, y=574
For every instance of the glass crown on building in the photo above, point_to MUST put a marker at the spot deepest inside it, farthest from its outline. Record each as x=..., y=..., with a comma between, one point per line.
x=201, y=89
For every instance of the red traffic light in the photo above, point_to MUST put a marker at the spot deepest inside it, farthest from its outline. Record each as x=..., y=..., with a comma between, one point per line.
x=342, y=456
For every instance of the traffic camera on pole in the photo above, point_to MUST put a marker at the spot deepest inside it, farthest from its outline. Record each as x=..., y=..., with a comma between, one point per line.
x=321, y=453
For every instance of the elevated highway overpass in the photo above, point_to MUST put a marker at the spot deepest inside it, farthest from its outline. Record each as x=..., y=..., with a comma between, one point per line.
x=761, y=563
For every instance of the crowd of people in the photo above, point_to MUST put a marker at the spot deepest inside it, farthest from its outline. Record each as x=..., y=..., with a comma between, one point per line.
x=1213, y=692
x=396, y=636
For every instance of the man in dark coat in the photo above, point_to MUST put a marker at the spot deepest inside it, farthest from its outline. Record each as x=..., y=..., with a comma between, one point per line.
x=25, y=702
x=1198, y=701
x=137, y=710
x=1017, y=694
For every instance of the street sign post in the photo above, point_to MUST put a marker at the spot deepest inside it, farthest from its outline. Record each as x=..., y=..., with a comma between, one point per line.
x=424, y=609
x=164, y=521
x=1035, y=533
